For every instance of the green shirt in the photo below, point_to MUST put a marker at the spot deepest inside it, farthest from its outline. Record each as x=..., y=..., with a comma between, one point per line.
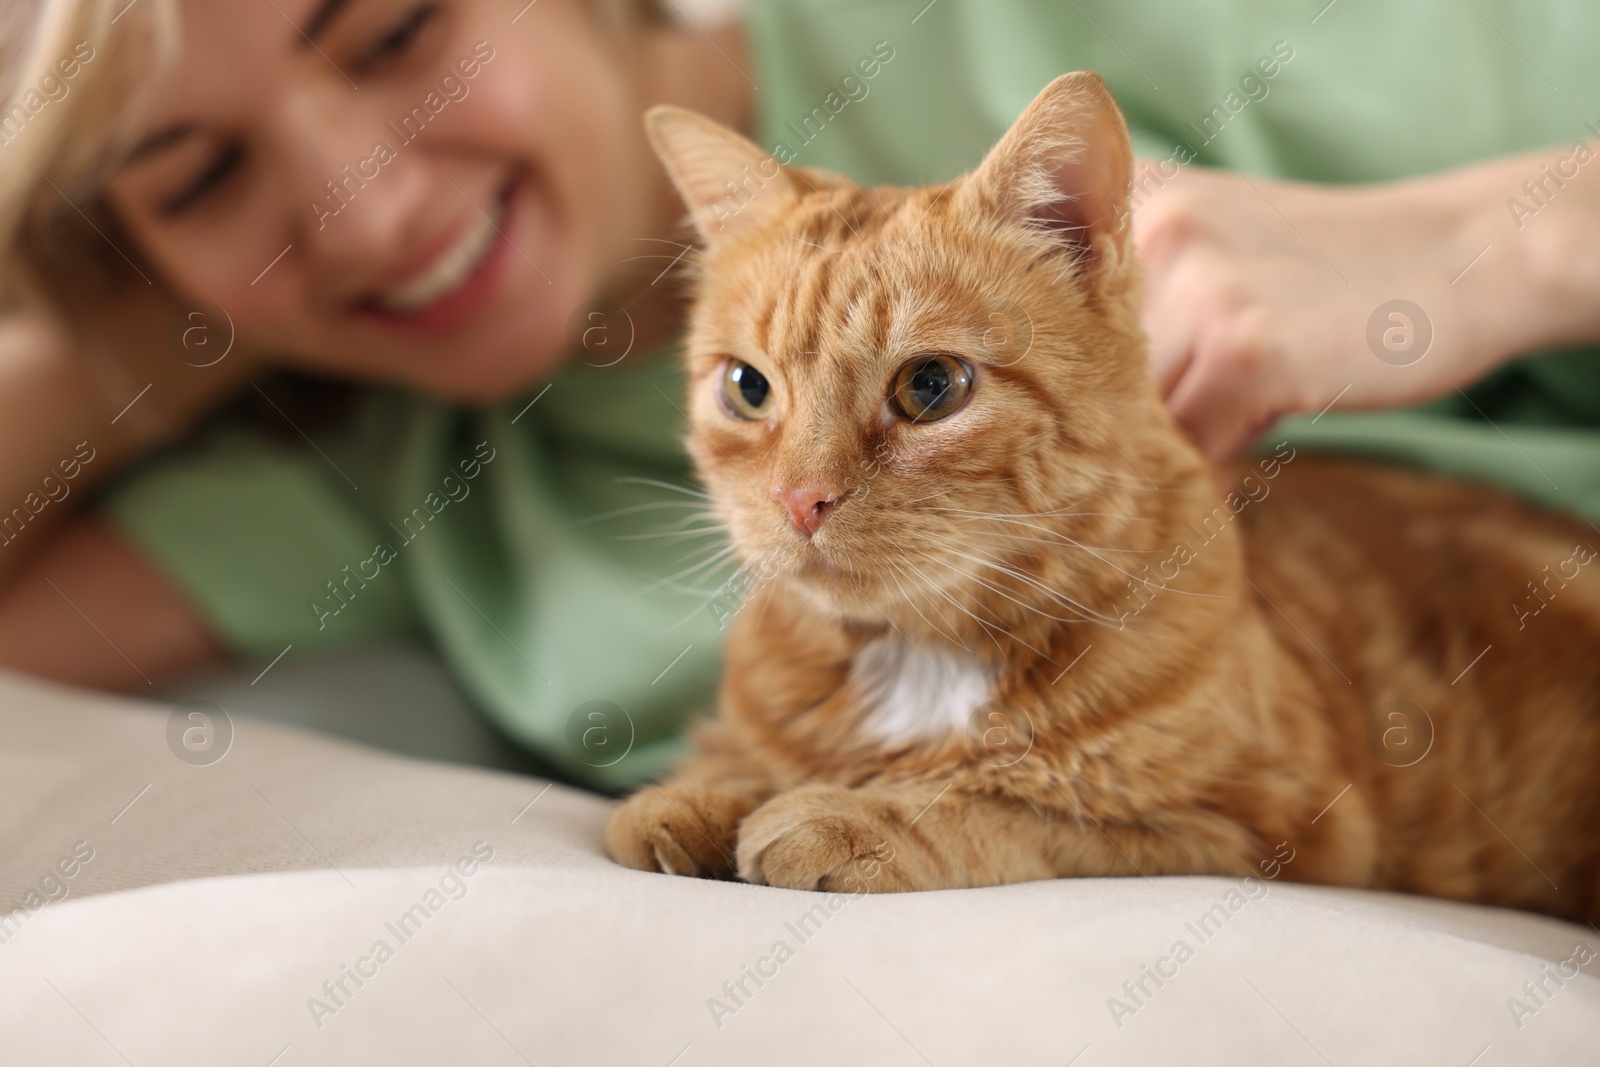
x=523, y=539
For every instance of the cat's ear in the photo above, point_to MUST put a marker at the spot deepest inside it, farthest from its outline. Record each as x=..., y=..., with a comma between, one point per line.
x=1066, y=164
x=726, y=180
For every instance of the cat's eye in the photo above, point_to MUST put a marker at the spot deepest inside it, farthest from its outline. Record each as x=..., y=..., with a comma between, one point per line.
x=746, y=393
x=930, y=387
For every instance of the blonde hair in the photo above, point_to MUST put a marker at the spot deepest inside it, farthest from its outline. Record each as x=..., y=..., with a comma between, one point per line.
x=58, y=244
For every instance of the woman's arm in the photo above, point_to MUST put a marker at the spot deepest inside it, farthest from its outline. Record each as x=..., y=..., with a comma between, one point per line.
x=66, y=423
x=90, y=610
x=1266, y=298
x=77, y=603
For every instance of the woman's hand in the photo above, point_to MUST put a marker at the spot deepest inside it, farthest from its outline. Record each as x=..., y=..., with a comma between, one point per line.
x=1265, y=298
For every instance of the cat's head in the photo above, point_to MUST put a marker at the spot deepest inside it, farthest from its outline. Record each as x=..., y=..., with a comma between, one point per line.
x=907, y=394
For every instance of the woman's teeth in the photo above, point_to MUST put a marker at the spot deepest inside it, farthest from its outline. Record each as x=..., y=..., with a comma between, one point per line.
x=449, y=269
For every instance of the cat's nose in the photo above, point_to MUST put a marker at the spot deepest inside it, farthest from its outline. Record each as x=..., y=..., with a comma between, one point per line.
x=807, y=507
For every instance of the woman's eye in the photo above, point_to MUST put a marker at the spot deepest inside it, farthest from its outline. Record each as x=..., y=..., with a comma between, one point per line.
x=931, y=387
x=746, y=393
x=214, y=174
x=401, y=37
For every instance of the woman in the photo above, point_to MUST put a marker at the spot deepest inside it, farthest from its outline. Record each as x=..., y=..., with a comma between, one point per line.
x=452, y=203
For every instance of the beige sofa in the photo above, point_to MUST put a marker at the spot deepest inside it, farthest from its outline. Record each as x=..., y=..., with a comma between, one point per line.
x=303, y=900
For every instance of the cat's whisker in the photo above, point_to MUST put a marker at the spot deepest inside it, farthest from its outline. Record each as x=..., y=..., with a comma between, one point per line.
x=1063, y=510
x=1141, y=485
x=686, y=524
x=693, y=592
x=691, y=582
x=1087, y=615
x=709, y=596
x=705, y=550
x=698, y=519
x=635, y=509
x=662, y=241
x=679, y=534
x=930, y=586
x=911, y=603
x=1134, y=577
x=649, y=255
x=933, y=496
x=686, y=252
x=922, y=583
x=633, y=480
x=988, y=627
x=1056, y=541
x=722, y=553
x=696, y=593
x=1057, y=538
x=813, y=244
x=972, y=576
x=1095, y=553
x=1030, y=580
x=702, y=515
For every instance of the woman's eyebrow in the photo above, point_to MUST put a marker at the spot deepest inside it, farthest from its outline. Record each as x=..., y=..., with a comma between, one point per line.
x=320, y=20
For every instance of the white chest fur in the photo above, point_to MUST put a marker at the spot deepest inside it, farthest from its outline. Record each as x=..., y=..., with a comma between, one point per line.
x=914, y=693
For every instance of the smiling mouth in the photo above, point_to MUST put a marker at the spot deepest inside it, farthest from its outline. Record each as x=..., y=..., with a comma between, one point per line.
x=448, y=271
x=454, y=272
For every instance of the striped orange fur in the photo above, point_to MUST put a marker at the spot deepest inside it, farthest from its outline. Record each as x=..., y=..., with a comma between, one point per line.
x=1038, y=637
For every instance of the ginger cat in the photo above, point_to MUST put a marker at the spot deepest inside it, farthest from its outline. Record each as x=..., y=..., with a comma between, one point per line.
x=1009, y=626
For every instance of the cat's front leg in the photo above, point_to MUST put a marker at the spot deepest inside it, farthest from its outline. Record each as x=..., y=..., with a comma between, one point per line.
x=885, y=838
x=888, y=839
x=688, y=824
x=682, y=826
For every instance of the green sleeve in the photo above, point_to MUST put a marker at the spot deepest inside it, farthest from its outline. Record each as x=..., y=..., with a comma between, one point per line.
x=253, y=531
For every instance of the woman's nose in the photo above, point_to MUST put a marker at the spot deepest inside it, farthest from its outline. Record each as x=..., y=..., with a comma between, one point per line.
x=360, y=191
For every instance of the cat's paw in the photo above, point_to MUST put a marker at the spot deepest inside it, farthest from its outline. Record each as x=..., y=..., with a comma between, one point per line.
x=677, y=828
x=829, y=838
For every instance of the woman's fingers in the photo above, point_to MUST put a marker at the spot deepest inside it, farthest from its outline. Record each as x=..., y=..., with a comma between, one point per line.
x=1246, y=322
x=1171, y=342
x=1222, y=403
